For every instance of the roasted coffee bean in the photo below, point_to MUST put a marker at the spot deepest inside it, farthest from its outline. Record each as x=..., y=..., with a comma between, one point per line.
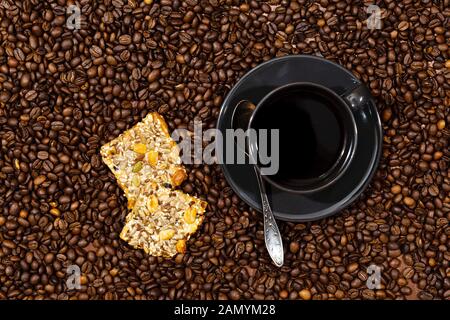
x=31, y=95
x=43, y=155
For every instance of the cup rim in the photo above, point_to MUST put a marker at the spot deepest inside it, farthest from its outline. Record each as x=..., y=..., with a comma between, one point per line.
x=347, y=157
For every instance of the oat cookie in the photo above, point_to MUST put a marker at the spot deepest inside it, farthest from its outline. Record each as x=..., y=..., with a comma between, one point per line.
x=145, y=153
x=163, y=220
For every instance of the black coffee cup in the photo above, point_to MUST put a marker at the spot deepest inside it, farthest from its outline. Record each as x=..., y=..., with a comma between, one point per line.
x=317, y=135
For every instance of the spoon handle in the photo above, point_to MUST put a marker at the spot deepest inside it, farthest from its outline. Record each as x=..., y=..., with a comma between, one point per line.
x=272, y=237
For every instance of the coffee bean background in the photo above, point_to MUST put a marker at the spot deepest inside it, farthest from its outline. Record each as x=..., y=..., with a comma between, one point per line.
x=64, y=93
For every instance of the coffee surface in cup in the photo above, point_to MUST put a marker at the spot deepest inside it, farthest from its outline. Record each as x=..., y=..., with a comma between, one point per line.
x=311, y=133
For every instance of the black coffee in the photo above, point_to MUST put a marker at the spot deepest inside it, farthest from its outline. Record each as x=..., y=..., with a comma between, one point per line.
x=311, y=132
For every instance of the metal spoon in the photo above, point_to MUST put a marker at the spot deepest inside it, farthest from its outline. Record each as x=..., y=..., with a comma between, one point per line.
x=274, y=244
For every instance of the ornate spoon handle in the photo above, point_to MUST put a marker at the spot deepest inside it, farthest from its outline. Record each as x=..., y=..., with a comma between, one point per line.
x=274, y=243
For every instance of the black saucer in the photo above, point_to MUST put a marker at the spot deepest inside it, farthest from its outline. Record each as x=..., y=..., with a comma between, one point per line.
x=298, y=207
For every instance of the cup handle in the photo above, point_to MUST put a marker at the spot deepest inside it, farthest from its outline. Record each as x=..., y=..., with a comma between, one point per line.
x=358, y=96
